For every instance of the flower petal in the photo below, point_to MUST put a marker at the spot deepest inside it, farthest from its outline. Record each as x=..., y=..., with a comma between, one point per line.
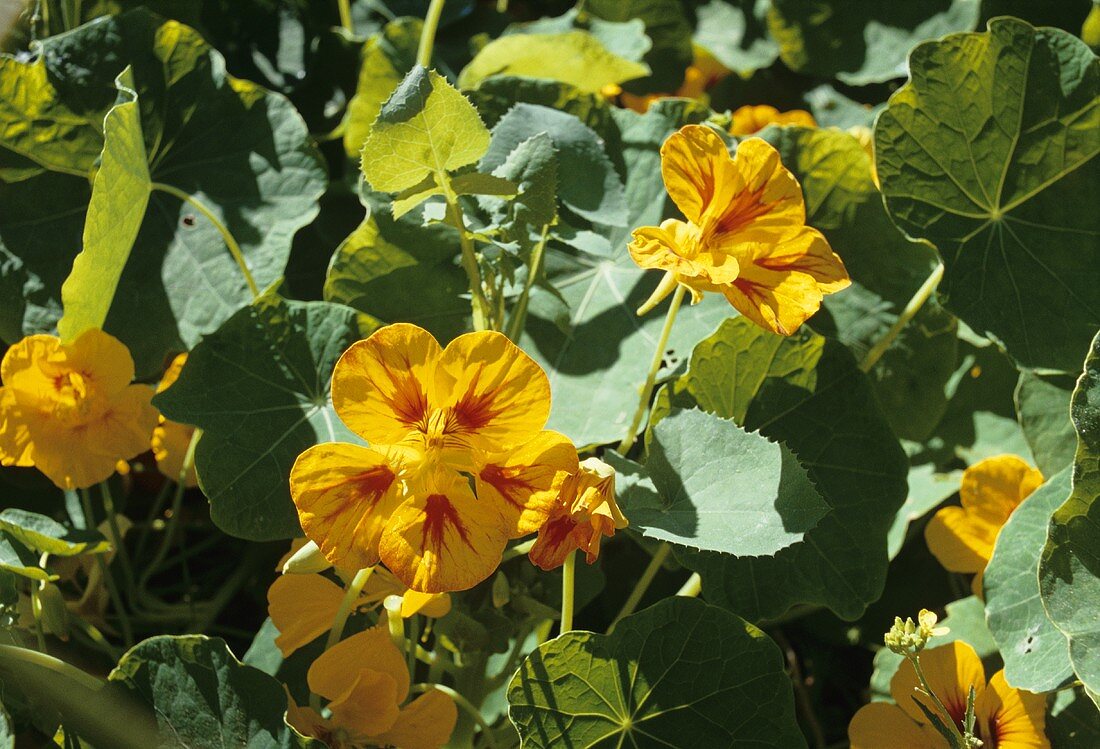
x=1011, y=718
x=368, y=706
x=305, y=720
x=444, y=539
x=170, y=443
x=337, y=669
x=426, y=723
x=754, y=118
x=556, y=540
x=302, y=608
x=521, y=482
x=101, y=358
x=345, y=494
x=499, y=396
x=958, y=543
x=951, y=670
x=698, y=171
x=762, y=194
x=381, y=387
x=22, y=368
x=881, y=725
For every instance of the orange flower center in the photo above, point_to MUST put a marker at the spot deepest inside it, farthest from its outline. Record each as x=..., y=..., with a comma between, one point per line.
x=74, y=400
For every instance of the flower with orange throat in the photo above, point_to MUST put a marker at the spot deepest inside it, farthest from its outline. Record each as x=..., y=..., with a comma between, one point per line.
x=172, y=440
x=366, y=681
x=752, y=118
x=303, y=607
x=69, y=410
x=1006, y=718
x=745, y=236
x=459, y=462
x=585, y=512
x=962, y=538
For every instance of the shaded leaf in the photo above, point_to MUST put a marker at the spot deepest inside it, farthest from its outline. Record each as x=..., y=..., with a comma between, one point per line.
x=18, y=559
x=668, y=29
x=736, y=33
x=386, y=57
x=45, y=534
x=1073, y=721
x=1042, y=408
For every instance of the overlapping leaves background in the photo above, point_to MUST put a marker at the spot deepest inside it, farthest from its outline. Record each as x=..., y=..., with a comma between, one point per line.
x=794, y=475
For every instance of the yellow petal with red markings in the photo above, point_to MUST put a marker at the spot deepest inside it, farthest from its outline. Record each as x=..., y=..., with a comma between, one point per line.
x=884, y=726
x=426, y=723
x=381, y=387
x=302, y=608
x=337, y=669
x=345, y=494
x=950, y=670
x=498, y=396
x=1011, y=718
x=444, y=539
x=521, y=482
x=556, y=540
x=698, y=171
x=764, y=193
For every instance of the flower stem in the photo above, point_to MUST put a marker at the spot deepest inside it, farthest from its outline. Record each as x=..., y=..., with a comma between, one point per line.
x=479, y=305
x=43, y=660
x=692, y=588
x=519, y=312
x=120, y=549
x=345, y=15
x=108, y=579
x=36, y=612
x=642, y=585
x=568, y=577
x=948, y=720
x=351, y=595
x=467, y=707
x=230, y=242
x=922, y=295
x=651, y=376
x=427, y=36
x=518, y=550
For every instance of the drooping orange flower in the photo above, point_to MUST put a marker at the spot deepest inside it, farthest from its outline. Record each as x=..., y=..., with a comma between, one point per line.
x=1007, y=718
x=433, y=417
x=171, y=440
x=69, y=410
x=584, y=513
x=303, y=607
x=752, y=118
x=705, y=71
x=745, y=236
x=962, y=538
x=366, y=681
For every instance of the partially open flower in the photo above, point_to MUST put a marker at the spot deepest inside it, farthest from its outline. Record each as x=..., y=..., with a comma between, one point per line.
x=752, y=118
x=366, y=681
x=171, y=440
x=585, y=512
x=69, y=410
x=745, y=236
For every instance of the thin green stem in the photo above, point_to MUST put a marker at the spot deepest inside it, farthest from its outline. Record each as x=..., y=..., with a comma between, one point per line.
x=642, y=585
x=155, y=509
x=174, y=519
x=654, y=367
x=948, y=720
x=467, y=707
x=692, y=588
x=43, y=660
x=427, y=35
x=121, y=553
x=479, y=305
x=105, y=573
x=568, y=580
x=230, y=242
x=922, y=295
x=534, y=269
x=345, y=15
x=518, y=550
x=36, y=612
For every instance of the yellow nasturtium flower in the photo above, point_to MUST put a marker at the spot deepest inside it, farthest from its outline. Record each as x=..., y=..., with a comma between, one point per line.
x=171, y=439
x=585, y=512
x=433, y=417
x=1007, y=718
x=962, y=538
x=366, y=680
x=752, y=118
x=303, y=607
x=69, y=410
x=745, y=236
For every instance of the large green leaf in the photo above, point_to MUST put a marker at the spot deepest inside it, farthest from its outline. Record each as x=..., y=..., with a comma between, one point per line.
x=736, y=33
x=425, y=129
x=680, y=673
x=43, y=533
x=386, y=57
x=716, y=487
x=1042, y=408
x=120, y=193
x=573, y=57
x=203, y=696
x=1003, y=185
x=1069, y=570
x=242, y=151
x=1035, y=652
x=861, y=41
x=807, y=392
x=1073, y=721
x=259, y=389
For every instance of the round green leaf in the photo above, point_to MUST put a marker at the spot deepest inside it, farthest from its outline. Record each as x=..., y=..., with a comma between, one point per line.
x=1042, y=408
x=736, y=33
x=987, y=152
x=680, y=673
x=387, y=56
x=42, y=533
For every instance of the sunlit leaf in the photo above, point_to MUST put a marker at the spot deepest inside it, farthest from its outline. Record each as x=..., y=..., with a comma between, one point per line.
x=18, y=559
x=44, y=534
x=386, y=57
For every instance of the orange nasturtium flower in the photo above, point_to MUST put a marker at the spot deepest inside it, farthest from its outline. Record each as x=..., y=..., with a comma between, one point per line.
x=962, y=538
x=69, y=410
x=1007, y=718
x=745, y=236
x=302, y=607
x=752, y=118
x=433, y=416
x=171, y=439
x=366, y=680
x=585, y=511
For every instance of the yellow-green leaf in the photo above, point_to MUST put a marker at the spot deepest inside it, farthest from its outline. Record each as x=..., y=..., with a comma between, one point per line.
x=120, y=194
x=387, y=56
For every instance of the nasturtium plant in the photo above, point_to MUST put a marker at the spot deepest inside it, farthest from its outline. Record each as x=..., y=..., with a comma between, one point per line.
x=445, y=374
